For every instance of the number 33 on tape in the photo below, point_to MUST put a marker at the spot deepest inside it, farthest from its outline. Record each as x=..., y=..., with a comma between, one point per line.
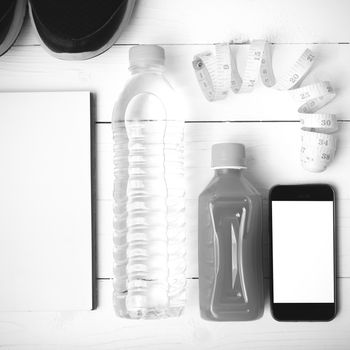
x=217, y=74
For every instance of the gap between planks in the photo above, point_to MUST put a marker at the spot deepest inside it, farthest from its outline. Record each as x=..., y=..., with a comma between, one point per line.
x=233, y=121
x=207, y=43
x=196, y=278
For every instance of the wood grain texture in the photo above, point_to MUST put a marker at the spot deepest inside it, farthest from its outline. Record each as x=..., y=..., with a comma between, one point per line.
x=272, y=155
x=207, y=21
x=185, y=28
x=31, y=68
x=103, y=330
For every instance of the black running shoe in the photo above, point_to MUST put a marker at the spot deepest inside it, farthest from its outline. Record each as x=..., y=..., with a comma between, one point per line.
x=12, y=13
x=79, y=29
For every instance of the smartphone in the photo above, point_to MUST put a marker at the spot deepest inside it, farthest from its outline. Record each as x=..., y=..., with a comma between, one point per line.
x=302, y=252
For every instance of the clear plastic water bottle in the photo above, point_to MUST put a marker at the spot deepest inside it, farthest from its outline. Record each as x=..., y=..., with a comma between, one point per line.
x=230, y=241
x=149, y=211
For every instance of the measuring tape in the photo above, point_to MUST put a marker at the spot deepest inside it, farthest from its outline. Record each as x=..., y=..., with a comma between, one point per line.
x=217, y=74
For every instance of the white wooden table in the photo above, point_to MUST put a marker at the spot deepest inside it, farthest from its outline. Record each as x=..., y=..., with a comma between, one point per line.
x=265, y=121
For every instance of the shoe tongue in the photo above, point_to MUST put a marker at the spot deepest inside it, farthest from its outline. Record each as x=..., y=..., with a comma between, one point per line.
x=5, y=5
x=75, y=18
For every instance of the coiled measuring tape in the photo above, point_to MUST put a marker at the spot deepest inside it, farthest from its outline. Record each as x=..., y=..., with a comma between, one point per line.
x=217, y=74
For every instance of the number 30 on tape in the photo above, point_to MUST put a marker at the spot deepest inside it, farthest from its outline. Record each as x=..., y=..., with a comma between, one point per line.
x=217, y=74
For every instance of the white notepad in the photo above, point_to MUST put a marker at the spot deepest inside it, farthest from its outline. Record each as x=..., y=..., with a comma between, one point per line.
x=45, y=201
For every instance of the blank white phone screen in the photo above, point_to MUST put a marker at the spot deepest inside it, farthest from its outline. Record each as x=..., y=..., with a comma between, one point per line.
x=302, y=234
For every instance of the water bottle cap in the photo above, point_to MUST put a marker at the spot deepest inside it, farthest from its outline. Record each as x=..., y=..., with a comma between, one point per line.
x=141, y=55
x=228, y=155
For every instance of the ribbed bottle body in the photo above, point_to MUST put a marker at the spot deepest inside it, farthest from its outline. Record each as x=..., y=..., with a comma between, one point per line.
x=149, y=210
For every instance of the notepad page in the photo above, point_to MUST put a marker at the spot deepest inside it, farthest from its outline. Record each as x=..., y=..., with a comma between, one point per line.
x=45, y=201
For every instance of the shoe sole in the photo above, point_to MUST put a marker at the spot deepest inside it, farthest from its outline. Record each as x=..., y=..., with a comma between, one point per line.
x=15, y=27
x=88, y=54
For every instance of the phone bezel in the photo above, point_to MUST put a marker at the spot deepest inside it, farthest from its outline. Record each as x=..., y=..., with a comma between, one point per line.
x=302, y=311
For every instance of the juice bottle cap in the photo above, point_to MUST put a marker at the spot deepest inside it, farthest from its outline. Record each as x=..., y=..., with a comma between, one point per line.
x=228, y=155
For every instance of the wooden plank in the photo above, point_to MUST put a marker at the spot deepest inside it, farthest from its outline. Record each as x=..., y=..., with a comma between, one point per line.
x=103, y=330
x=272, y=152
x=272, y=155
x=205, y=21
x=31, y=69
